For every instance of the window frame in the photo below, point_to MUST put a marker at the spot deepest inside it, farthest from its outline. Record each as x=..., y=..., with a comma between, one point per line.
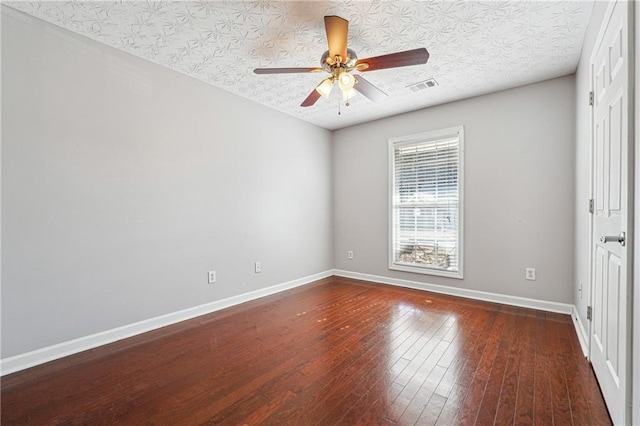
x=430, y=136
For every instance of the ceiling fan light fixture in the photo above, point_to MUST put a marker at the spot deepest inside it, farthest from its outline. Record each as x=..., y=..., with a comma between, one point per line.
x=346, y=81
x=325, y=87
x=348, y=94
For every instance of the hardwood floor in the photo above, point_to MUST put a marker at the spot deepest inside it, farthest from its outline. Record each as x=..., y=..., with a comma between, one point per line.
x=336, y=352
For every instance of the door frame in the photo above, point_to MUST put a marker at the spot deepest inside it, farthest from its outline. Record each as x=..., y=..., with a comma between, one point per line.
x=635, y=91
x=633, y=203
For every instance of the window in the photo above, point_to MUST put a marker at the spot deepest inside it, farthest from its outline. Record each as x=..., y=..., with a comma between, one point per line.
x=426, y=202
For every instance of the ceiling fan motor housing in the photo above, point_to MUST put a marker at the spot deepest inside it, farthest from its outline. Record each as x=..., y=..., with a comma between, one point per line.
x=335, y=67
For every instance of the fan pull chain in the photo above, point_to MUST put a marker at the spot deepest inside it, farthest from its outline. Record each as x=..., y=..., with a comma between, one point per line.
x=339, y=106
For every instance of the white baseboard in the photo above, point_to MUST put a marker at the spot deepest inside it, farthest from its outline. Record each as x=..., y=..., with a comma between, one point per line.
x=49, y=353
x=583, y=336
x=563, y=308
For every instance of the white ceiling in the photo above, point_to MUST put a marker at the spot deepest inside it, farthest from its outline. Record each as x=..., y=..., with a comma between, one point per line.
x=476, y=47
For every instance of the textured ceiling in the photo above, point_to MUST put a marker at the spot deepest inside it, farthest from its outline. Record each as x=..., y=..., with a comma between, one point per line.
x=476, y=47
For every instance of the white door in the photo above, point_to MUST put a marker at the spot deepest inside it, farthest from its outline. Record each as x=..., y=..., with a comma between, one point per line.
x=611, y=275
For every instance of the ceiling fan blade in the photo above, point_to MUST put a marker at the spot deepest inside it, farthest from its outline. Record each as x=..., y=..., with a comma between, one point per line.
x=395, y=60
x=337, y=32
x=368, y=90
x=311, y=99
x=285, y=70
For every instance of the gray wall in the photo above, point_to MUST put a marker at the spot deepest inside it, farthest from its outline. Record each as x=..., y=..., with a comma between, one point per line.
x=519, y=177
x=123, y=183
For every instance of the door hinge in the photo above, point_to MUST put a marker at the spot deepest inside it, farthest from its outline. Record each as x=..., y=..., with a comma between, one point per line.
x=589, y=313
x=591, y=206
x=591, y=98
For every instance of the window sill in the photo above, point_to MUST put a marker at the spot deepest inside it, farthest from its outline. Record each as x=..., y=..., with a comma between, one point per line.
x=426, y=271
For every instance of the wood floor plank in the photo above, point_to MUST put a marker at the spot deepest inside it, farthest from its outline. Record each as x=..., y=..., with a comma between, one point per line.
x=375, y=393
x=542, y=402
x=338, y=351
x=468, y=412
x=421, y=398
x=506, y=408
x=454, y=401
x=524, y=396
x=559, y=392
x=491, y=398
x=432, y=410
x=465, y=341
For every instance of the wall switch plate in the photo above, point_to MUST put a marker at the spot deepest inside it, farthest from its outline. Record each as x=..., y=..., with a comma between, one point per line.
x=530, y=274
x=258, y=267
x=350, y=255
x=212, y=277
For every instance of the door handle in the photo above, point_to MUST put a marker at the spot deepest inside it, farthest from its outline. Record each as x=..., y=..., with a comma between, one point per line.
x=614, y=238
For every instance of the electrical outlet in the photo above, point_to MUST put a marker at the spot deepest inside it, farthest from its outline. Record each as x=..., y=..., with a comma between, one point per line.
x=212, y=277
x=530, y=274
x=350, y=255
x=258, y=267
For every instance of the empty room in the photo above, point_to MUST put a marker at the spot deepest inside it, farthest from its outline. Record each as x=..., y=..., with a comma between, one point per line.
x=319, y=212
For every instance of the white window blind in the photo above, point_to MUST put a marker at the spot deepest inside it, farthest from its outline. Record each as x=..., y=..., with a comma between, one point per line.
x=426, y=203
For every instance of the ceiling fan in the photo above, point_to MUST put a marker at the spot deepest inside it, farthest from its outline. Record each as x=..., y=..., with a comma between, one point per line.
x=339, y=61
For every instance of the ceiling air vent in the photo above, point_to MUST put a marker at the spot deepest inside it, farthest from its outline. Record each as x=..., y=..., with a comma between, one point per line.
x=416, y=87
